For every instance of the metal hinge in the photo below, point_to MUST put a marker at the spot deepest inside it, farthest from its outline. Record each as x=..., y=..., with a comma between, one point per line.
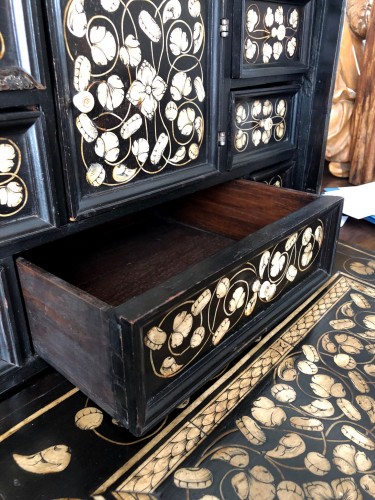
x=222, y=138
x=224, y=27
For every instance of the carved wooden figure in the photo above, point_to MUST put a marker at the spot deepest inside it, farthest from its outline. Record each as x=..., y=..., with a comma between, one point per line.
x=338, y=151
x=363, y=147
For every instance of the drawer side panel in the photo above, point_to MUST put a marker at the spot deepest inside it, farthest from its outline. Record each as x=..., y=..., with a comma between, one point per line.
x=70, y=331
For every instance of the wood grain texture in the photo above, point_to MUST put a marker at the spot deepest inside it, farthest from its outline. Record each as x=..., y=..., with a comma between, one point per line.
x=362, y=168
x=239, y=208
x=70, y=330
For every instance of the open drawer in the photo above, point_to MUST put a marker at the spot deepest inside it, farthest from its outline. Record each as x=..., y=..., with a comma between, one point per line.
x=140, y=313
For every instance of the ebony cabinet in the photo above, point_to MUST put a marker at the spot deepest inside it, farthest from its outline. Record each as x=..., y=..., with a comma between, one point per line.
x=109, y=109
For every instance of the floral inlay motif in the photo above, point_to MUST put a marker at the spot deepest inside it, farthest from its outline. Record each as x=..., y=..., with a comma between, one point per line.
x=138, y=81
x=259, y=122
x=271, y=35
x=306, y=433
x=203, y=321
x=13, y=190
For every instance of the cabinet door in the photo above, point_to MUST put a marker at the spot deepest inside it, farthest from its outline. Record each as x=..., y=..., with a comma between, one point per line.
x=26, y=204
x=137, y=85
x=278, y=53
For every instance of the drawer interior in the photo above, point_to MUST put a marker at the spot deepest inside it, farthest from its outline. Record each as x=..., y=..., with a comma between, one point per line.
x=124, y=259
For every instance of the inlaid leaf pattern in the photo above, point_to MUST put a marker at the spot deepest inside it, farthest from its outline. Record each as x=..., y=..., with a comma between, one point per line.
x=140, y=76
x=204, y=321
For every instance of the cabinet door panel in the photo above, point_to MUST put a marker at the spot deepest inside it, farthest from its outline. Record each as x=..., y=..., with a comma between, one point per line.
x=134, y=80
x=262, y=126
x=26, y=204
x=273, y=39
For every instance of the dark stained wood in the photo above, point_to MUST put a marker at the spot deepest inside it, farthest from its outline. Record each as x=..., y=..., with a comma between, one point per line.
x=69, y=325
x=117, y=266
x=239, y=208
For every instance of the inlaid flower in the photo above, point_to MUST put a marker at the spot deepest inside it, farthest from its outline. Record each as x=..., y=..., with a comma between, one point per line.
x=147, y=90
x=172, y=10
x=250, y=49
x=178, y=41
x=349, y=460
x=281, y=107
x=266, y=256
x=267, y=107
x=171, y=111
x=82, y=73
x=293, y=19
x=111, y=93
x=7, y=157
x=238, y=299
x=77, y=19
x=199, y=89
x=267, y=124
x=194, y=7
x=279, y=15
x=277, y=264
x=256, y=137
x=86, y=127
x=307, y=255
x=267, y=52
x=267, y=413
x=95, y=175
x=280, y=130
x=193, y=151
x=185, y=121
x=306, y=236
x=107, y=146
x=110, y=5
x=199, y=127
x=291, y=46
x=181, y=86
x=339, y=489
x=252, y=20
x=103, y=45
x=256, y=109
x=256, y=286
x=198, y=37
x=319, y=235
x=291, y=241
x=241, y=140
x=281, y=32
x=140, y=150
x=130, y=53
x=267, y=291
x=269, y=17
x=241, y=113
x=179, y=155
x=149, y=26
x=277, y=50
x=266, y=136
x=11, y=195
x=84, y=101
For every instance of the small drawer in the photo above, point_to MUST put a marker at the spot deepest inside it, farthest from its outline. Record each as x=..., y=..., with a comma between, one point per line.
x=140, y=313
x=279, y=176
x=273, y=38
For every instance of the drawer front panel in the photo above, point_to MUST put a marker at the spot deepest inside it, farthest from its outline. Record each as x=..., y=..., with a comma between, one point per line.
x=263, y=125
x=274, y=36
x=140, y=113
x=200, y=332
x=25, y=195
x=18, y=54
x=279, y=176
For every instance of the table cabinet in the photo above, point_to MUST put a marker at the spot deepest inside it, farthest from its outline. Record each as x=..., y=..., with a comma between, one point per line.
x=111, y=114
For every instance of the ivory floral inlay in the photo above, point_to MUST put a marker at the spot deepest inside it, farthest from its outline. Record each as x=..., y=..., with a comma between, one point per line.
x=272, y=33
x=13, y=190
x=138, y=80
x=202, y=322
